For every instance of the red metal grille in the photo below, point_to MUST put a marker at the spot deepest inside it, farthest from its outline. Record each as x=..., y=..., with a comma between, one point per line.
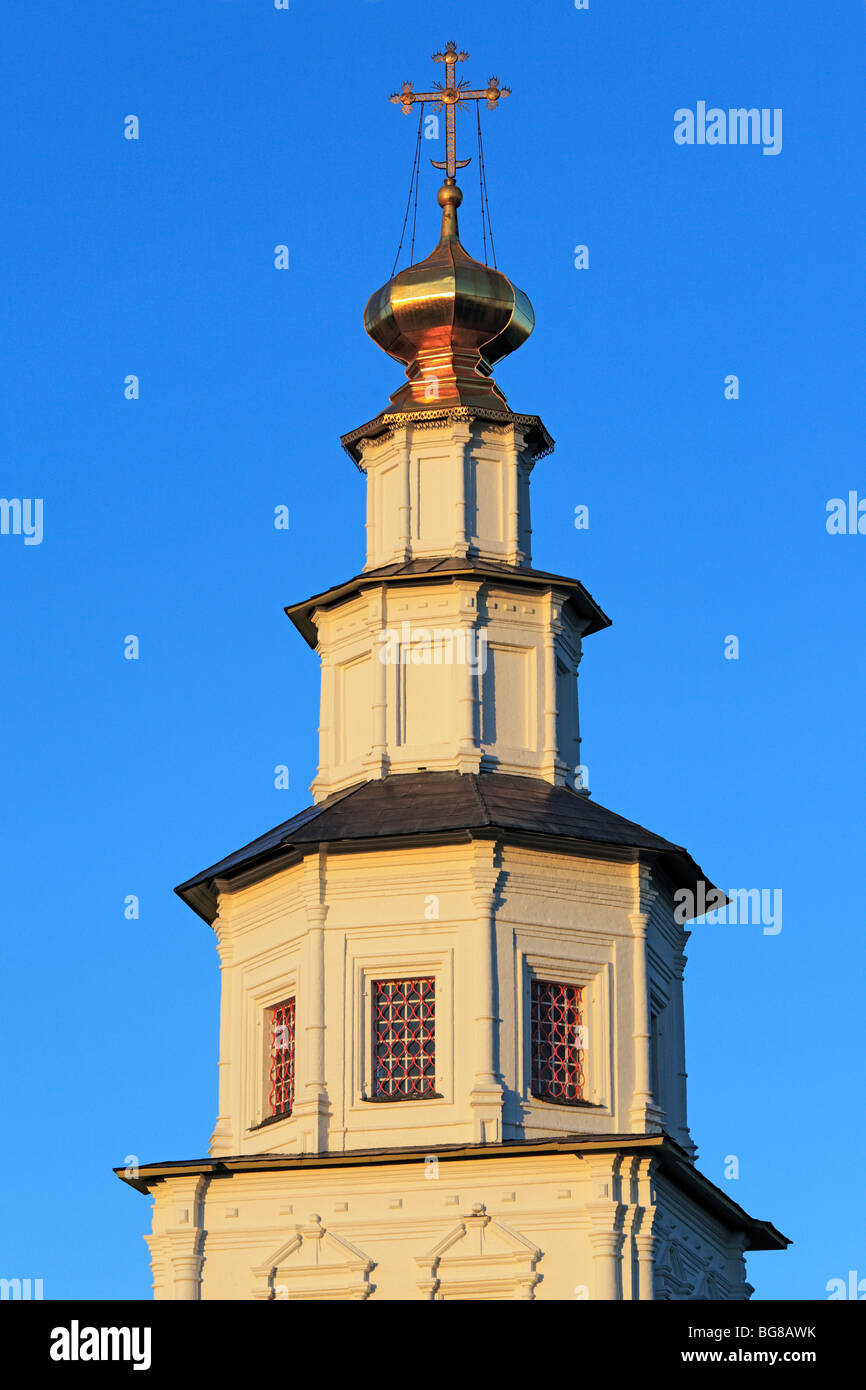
x=404, y=1043
x=282, y=1069
x=557, y=1041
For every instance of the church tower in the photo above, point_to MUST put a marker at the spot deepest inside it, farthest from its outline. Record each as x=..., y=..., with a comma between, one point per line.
x=451, y=1053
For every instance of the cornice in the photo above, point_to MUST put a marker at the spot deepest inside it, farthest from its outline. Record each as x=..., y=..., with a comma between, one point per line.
x=672, y=1158
x=538, y=442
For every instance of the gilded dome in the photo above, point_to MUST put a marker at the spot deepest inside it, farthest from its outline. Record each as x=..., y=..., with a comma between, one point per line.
x=449, y=320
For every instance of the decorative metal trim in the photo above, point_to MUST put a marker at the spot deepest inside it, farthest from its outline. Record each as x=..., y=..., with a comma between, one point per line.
x=389, y=421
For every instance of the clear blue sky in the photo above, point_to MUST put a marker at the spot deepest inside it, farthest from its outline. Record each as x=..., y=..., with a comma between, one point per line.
x=707, y=518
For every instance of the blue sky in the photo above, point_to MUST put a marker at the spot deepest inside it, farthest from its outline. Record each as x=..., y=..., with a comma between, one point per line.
x=707, y=519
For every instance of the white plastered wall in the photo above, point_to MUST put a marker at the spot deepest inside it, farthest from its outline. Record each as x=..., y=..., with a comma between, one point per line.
x=566, y=1227
x=450, y=489
x=465, y=676
x=482, y=920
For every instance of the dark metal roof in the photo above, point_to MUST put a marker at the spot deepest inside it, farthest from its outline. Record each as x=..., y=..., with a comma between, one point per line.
x=447, y=568
x=760, y=1235
x=537, y=440
x=440, y=803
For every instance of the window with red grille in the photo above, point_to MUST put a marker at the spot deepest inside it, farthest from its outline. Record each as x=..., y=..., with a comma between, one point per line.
x=404, y=1039
x=557, y=1041
x=281, y=1075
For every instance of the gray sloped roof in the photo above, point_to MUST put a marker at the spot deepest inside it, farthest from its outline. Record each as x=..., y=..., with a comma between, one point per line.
x=433, y=803
x=443, y=568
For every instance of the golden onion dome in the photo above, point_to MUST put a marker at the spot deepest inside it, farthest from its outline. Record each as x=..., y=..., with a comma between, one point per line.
x=449, y=320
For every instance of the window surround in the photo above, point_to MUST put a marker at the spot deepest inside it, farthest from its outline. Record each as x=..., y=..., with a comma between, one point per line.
x=258, y=1002
x=661, y=1058
x=594, y=978
x=359, y=1034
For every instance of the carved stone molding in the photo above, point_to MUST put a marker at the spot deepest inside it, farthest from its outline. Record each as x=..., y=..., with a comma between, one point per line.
x=480, y=1258
x=314, y=1263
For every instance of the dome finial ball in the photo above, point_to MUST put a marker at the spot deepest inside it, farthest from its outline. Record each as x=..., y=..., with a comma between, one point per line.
x=449, y=194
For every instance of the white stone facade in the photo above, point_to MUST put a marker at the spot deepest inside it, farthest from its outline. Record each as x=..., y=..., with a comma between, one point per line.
x=580, y=1226
x=460, y=488
x=482, y=919
x=483, y=1187
x=471, y=675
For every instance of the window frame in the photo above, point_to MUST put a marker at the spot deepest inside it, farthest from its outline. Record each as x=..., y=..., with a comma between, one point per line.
x=259, y=989
x=270, y=1010
x=365, y=969
x=536, y=981
x=595, y=978
x=661, y=1050
x=401, y=979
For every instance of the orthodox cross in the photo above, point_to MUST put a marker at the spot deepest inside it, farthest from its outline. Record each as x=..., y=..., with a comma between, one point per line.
x=451, y=93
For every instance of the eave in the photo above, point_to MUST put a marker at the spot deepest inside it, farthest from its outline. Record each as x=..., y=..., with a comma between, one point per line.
x=446, y=570
x=672, y=1160
x=407, y=809
x=538, y=441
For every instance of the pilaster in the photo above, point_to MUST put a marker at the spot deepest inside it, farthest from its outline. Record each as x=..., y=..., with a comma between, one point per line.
x=682, y=1134
x=552, y=766
x=404, y=529
x=178, y=1236
x=645, y=1115
x=645, y=1233
x=468, y=676
x=606, y=1215
x=327, y=743
x=512, y=500
x=312, y=1109
x=377, y=761
x=487, y=1096
x=222, y=1138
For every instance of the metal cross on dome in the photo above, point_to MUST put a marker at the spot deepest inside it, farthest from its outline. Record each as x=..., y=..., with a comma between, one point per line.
x=450, y=94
